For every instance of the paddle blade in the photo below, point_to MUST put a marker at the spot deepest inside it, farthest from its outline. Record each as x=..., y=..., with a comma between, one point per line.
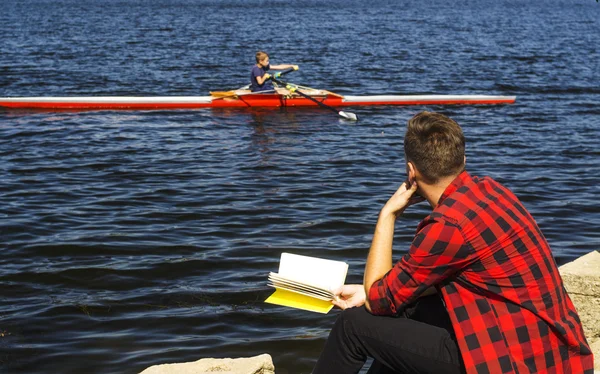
x=348, y=115
x=222, y=93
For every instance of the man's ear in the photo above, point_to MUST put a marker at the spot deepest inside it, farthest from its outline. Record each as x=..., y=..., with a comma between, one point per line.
x=412, y=174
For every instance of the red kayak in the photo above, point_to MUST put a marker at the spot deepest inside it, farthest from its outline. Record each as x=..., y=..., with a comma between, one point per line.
x=242, y=99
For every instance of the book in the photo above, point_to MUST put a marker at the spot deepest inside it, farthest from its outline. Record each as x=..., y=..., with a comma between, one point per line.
x=305, y=282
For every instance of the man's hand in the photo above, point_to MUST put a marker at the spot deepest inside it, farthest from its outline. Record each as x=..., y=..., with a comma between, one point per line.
x=349, y=296
x=266, y=76
x=401, y=199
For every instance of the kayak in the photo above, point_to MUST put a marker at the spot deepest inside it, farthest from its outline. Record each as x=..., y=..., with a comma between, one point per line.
x=242, y=99
x=283, y=94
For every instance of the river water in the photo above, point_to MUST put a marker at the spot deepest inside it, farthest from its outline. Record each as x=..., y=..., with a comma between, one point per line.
x=137, y=238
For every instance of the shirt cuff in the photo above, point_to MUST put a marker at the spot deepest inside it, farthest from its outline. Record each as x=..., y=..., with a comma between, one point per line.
x=379, y=299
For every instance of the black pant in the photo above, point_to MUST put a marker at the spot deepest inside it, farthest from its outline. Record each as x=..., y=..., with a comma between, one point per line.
x=421, y=340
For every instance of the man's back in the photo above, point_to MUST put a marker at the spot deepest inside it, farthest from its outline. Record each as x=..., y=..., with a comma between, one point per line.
x=508, y=306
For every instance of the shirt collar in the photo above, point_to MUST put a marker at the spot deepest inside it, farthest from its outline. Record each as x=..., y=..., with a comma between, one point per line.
x=462, y=179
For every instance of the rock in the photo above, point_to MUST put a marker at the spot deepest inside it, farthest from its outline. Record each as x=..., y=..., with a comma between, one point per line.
x=596, y=349
x=582, y=276
x=588, y=309
x=582, y=281
x=262, y=364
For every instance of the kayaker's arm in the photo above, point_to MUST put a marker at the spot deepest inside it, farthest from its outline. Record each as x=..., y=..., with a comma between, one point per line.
x=283, y=67
x=266, y=76
x=262, y=79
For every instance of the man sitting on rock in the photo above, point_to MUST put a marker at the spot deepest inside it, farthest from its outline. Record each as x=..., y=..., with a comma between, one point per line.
x=478, y=291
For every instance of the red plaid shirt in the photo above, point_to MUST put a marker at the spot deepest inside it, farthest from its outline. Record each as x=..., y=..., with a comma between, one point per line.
x=486, y=255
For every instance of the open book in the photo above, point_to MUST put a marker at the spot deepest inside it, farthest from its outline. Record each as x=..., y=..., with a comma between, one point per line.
x=305, y=282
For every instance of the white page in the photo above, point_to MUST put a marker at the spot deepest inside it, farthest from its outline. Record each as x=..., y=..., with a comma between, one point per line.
x=278, y=278
x=301, y=292
x=326, y=274
x=308, y=288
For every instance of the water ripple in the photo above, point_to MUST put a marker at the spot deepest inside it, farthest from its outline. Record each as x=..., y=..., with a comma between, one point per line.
x=136, y=238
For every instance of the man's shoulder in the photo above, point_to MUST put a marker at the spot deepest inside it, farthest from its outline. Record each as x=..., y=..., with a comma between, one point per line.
x=478, y=188
x=474, y=194
x=438, y=218
x=479, y=197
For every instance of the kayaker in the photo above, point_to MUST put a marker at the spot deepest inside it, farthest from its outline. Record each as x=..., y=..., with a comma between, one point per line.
x=259, y=76
x=478, y=291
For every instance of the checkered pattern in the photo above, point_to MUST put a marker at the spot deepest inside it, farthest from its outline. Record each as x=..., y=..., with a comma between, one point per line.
x=486, y=255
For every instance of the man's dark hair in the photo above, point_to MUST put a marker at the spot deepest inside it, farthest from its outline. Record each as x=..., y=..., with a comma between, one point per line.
x=435, y=144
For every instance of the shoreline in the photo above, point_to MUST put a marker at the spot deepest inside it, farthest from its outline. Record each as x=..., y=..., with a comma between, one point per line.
x=581, y=278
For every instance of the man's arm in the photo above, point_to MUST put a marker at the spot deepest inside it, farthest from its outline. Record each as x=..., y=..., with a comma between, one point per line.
x=379, y=261
x=437, y=252
x=353, y=295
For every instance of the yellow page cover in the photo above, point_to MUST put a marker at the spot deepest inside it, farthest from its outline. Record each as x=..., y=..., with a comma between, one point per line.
x=295, y=300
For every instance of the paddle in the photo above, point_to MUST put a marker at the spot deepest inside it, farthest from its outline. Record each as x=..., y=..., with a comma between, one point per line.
x=346, y=115
x=283, y=72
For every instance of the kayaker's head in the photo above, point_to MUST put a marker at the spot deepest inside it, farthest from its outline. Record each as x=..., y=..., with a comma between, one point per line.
x=434, y=147
x=262, y=59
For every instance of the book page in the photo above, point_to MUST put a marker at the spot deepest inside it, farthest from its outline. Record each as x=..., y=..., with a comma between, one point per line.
x=300, y=291
x=278, y=281
x=326, y=274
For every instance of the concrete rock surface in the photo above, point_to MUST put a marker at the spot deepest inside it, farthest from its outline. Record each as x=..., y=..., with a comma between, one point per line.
x=582, y=276
x=262, y=364
x=582, y=281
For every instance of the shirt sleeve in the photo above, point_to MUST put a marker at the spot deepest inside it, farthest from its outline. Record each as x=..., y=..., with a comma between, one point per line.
x=256, y=72
x=437, y=252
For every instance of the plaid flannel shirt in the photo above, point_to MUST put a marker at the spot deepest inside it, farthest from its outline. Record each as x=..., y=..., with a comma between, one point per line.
x=487, y=257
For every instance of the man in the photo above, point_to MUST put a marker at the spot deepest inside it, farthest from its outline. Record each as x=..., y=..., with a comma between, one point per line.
x=497, y=303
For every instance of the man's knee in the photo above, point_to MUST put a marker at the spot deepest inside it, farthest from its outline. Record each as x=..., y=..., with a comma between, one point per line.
x=352, y=319
x=354, y=314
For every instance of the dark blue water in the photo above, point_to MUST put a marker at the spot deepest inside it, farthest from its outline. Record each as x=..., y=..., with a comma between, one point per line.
x=136, y=238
